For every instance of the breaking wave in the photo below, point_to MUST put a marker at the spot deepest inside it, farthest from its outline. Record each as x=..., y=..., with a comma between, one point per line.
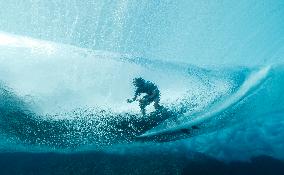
x=55, y=97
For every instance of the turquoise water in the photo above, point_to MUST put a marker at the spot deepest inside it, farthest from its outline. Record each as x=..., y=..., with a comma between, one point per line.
x=66, y=70
x=215, y=32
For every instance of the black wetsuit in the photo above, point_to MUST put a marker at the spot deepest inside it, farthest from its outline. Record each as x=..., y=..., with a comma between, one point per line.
x=152, y=95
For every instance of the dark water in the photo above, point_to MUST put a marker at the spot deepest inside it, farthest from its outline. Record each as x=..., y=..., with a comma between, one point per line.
x=102, y=163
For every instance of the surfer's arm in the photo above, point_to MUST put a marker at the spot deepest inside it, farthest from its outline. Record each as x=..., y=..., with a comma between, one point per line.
x=136, y=95
x=134, y=98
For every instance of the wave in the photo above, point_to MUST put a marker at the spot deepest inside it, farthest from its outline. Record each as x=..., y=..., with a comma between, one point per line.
x=248, y=87
x=259, y=95
x=62, y=97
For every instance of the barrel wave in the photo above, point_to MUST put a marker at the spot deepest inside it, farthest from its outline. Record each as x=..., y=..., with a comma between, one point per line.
x=60, y=97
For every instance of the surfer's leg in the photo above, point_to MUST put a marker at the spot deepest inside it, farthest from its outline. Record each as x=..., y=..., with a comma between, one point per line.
x=143, y=111
x=142, y=105
x=157, y=101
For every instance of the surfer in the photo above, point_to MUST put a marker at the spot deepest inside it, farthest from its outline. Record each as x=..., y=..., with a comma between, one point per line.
x=152, y=94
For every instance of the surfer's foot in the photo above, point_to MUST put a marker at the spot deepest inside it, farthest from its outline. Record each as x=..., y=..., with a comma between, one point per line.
x=186, y=131
x=143, y=111
x=195, y=127
x=158, y=107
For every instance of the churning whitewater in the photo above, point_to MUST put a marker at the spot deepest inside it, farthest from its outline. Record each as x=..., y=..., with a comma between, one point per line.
x=64, y=97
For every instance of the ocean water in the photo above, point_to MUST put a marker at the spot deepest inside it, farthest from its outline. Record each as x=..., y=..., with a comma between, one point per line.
x=66, y=71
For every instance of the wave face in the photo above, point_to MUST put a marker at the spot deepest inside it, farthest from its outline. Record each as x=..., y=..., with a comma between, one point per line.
x=65, y=97
x=59, y=97
x=247, y=101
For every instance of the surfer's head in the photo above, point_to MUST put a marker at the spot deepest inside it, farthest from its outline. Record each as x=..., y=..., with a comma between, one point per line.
x=138, y=81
